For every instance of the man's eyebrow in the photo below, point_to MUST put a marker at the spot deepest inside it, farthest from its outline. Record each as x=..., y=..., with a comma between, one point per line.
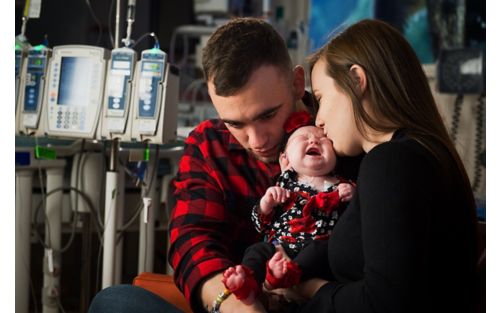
x=267, y=112
x=259, y=116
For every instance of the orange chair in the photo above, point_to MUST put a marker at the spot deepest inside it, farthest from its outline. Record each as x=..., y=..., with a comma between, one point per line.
x=164, y=287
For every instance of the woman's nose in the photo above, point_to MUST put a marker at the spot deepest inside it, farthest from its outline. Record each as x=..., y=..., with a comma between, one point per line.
x=319, y=123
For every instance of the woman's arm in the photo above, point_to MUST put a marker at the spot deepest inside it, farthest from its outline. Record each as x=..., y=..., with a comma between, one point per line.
x=308, y=288
x=391, y=214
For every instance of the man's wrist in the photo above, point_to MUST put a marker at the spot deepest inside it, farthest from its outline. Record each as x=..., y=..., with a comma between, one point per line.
x=221, y=297
x=210, y=289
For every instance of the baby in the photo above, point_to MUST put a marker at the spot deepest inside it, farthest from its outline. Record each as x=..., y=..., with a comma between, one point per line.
x=295, y=215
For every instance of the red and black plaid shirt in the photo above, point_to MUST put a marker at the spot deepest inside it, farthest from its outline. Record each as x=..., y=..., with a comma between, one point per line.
x=215, y=189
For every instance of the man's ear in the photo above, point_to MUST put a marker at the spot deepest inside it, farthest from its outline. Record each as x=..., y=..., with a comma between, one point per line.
x=359, y=76
x=299, y=83
x=284, y=162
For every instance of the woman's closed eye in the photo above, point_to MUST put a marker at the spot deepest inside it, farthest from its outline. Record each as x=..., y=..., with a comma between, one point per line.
x=318, y=100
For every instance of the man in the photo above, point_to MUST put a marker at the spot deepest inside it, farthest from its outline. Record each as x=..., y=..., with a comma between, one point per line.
x=228, y=163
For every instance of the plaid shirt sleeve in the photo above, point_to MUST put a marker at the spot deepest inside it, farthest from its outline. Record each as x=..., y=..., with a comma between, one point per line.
x=214, y=190
x=197, y=222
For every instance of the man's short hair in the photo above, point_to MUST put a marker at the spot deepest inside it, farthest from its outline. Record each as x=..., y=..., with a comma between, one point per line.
x=236, y=49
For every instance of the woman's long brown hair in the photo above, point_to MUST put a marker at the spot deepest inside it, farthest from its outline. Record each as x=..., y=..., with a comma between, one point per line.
x=397, y=87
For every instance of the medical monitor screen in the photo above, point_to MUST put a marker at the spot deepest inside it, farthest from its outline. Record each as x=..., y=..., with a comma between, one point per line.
x=75, y=81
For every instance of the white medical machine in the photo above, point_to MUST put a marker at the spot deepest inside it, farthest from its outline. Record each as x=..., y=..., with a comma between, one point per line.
x=75, y=90
x=155, y=99
x=32, y=89
x=118, y=94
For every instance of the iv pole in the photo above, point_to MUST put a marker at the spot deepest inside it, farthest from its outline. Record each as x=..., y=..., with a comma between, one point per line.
x=111, y=215
x=108, y=264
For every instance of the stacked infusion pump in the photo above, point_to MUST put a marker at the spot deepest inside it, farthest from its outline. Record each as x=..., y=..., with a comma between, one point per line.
x=31, y=89
x=144, y=109
x=87, y=96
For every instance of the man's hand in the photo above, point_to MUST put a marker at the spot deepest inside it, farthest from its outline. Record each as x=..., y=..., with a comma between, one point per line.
x=345, y=192
x=273, y=196
x=213, y=286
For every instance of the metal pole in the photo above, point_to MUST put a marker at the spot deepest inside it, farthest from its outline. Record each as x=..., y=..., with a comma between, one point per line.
x=147, y=230
x=52, y=257
x=117, y=24
x=24, y=184
x=113, y=157
x=108, y=263
x=119, y=223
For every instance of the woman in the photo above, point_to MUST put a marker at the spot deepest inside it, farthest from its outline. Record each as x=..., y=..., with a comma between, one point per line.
x=407, y=241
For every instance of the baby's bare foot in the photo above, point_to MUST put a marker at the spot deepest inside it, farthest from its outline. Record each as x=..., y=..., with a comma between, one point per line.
x=278, y=265
x=234, y=277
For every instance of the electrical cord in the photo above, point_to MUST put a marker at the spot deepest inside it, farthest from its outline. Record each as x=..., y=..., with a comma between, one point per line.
x=70, y=240
x=82, y=183
x=58, y=299
x=99, y=259
x=42, y=191
x=152, y=34
x=94, y=17
x=78, y=166
x=479, y=142
x=96, y=220
x=103, y=186
x=79, y=179
x=455, y=120
x=110, y=16
x=32, y=286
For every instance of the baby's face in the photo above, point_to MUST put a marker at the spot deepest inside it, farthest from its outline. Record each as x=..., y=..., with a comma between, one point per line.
x=310, y=152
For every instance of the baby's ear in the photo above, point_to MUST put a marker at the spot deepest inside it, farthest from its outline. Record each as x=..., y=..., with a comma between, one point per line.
x=284, y=163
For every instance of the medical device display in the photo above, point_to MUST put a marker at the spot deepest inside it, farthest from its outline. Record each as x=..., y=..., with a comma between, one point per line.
x=155, y=100
x=75, y=91
x=32, y=89
x=118, y=93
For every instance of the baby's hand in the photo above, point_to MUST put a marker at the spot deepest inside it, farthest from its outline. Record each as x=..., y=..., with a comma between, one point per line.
x=273, y=196
x=345, y=192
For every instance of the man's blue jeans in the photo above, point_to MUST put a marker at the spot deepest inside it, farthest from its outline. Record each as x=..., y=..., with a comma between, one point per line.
x=129, y=299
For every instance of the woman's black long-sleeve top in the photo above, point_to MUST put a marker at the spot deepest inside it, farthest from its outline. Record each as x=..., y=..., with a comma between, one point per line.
x=407, y=241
